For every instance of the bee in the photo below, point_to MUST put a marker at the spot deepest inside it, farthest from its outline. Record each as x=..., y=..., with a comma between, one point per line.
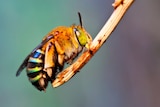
x=61, y=45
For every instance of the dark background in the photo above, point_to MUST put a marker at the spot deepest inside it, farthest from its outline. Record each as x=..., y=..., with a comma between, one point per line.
x=125, y=72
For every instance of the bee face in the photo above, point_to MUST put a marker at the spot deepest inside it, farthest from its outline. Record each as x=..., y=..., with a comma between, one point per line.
x=61, y=45
x=83, y=37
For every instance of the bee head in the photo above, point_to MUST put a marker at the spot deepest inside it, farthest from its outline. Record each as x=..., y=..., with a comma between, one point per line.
x=82, y=35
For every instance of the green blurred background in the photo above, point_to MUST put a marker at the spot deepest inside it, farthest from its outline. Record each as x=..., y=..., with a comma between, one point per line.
x=125, y=72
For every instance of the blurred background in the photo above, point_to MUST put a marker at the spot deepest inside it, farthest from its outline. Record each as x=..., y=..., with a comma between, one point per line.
x=125, y=72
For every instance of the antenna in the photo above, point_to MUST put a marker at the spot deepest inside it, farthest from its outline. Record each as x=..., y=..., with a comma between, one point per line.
x=80, y=18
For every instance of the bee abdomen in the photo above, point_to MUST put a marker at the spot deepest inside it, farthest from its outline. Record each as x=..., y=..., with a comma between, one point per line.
x=35, y=72
x=35, y=62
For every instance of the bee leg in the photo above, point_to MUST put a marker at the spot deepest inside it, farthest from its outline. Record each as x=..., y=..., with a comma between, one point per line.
x=70, y=62
x=50, y=60
x=59, y=48
x=61, y=59
x=49, y=71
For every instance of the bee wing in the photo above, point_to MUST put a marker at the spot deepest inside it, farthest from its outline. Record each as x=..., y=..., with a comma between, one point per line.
x=24, y=64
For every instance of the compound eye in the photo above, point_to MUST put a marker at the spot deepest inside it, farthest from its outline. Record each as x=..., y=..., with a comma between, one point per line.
x=76, y=31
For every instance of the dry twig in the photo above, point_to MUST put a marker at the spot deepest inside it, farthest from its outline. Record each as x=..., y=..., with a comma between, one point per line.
x=120, y=6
